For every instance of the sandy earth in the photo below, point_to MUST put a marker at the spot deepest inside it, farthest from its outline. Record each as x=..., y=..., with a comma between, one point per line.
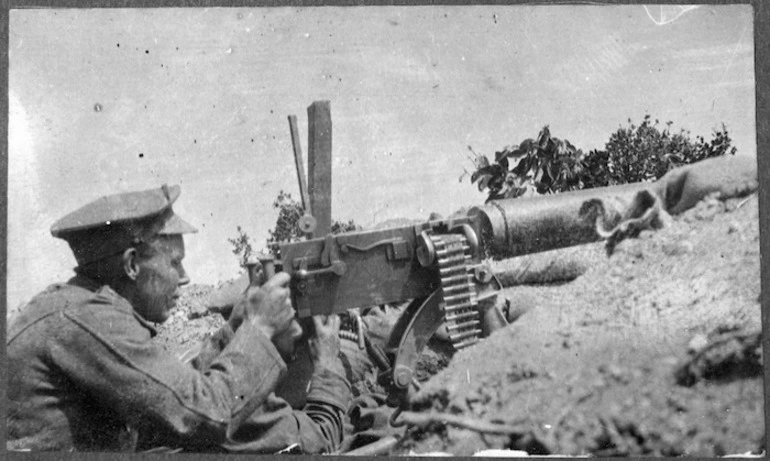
x=655, y=350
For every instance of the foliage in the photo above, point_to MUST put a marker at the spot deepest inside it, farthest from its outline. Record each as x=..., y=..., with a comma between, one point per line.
x=636, y=153
x=339, y=227
x=242, y=248
x=542, y=165
x=286, y=226
x=646, y=153
x=286, y=229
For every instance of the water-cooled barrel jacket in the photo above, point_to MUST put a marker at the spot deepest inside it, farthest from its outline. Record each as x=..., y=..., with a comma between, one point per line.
x=85, y=374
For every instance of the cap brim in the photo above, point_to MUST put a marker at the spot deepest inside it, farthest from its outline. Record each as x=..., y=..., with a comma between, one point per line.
x=176, y=225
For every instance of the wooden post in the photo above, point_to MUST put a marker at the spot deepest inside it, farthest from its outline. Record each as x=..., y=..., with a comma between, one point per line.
x=319, y=167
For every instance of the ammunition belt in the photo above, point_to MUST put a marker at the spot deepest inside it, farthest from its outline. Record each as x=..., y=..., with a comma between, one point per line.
x=458, y=289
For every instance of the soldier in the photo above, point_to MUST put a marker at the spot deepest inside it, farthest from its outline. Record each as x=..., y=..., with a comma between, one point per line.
x=84, y=372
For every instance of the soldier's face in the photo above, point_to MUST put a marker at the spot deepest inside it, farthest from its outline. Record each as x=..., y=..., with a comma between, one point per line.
x=159, y=279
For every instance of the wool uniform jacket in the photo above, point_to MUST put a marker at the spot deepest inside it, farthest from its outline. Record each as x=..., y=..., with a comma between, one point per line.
x=85, y=374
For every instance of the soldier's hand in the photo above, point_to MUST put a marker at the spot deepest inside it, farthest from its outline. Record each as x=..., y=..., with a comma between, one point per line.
x=269, y=307
x=325, y=345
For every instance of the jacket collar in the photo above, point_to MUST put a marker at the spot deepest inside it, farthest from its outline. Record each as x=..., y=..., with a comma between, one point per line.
x=101, y=289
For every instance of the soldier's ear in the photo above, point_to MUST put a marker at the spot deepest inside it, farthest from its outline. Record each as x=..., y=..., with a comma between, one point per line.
x=130, y=263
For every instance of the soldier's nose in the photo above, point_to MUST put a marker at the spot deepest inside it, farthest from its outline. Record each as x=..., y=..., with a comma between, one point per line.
x=183, y=278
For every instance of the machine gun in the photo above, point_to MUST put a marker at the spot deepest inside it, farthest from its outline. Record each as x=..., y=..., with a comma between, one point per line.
x=438, y=265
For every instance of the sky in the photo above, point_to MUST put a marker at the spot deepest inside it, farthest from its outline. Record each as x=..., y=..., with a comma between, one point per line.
x=114, y=100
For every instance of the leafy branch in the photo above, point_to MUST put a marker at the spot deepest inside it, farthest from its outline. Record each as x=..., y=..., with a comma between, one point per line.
x=547, y=164
x=286, y=229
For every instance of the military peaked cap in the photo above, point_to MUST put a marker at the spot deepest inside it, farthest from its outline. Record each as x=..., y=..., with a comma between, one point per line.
x=116, y=222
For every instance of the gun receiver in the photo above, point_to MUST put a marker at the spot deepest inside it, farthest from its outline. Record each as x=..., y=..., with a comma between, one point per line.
x=437, y=265
x=358, y=269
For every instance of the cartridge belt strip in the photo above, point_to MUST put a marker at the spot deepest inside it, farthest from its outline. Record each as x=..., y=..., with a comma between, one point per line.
x=457, y=288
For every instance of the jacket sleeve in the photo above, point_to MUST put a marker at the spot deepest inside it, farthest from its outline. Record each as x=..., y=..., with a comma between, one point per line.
x=114, y=359
x=317, y=428
x=210, y=348
x=274, y=425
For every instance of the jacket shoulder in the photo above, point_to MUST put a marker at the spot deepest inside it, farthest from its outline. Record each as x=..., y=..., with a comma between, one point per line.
x=95, y=309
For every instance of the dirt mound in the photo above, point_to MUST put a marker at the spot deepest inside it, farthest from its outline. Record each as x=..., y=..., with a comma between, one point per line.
x=653, y=351
x=725, y=354
x=190, y=322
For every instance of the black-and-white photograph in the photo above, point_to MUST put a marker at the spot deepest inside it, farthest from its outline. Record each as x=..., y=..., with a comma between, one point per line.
x=499, y=230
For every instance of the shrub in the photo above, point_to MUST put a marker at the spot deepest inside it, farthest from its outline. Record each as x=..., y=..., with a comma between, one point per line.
x=286, y=229
x=646, y=153
x=636, y=153
x=286, y=225
x=542, y=165
x=242, y=248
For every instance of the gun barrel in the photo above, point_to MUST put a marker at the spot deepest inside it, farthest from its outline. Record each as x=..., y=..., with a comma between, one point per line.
x=515, y=227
